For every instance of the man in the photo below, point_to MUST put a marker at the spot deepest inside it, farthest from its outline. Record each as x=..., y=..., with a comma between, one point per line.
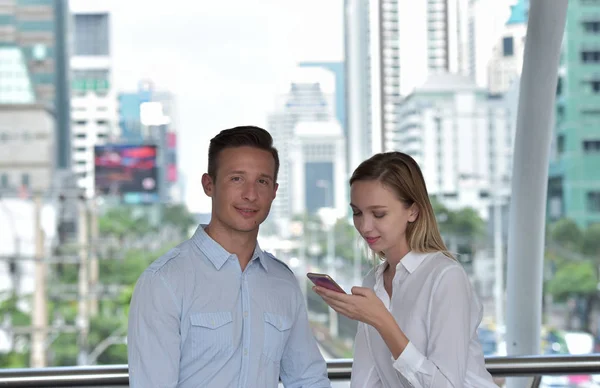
x=217, y=311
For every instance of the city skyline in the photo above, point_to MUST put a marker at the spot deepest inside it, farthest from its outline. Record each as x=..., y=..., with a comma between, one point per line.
x=232, y=78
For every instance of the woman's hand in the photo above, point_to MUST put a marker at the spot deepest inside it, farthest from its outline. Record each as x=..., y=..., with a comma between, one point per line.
x=362, y=305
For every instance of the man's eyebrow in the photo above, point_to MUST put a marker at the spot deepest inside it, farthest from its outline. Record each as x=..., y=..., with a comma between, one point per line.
x=266, y=176
x=242, y=172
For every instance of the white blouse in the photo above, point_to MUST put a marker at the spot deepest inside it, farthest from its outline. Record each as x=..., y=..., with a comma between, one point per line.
x=434, y=304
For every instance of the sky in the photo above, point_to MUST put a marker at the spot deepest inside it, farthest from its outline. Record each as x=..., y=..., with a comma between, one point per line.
x=224, y=60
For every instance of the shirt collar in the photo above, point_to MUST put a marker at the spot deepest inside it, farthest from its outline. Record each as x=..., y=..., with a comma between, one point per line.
x=411, y=262
x=260, y=255
x=217, y=254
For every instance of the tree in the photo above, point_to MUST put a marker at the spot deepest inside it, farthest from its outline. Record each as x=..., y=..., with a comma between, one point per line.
x=566, y=233
x=463, y=230
x=179, y=217
x=121, y=221
x=574, y=256
x=590, y=244
x=118, y=271
x=11, y=312
x=577, y=281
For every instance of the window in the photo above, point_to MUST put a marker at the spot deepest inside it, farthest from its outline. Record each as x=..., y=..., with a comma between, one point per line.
x=560, y=113
x=590, y=112
x=508, y=49
x=590, y=56
x=91, y=34
x=591, y=146
x=592, y=27
x=4, y=181
x=25, y=180
x=593, y=201
x=593, y=84
x=560, y=144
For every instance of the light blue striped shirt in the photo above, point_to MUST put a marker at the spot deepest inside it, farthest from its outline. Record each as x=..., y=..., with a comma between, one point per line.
x=196, y=320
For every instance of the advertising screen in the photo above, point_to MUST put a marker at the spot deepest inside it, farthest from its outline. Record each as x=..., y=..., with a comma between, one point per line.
x=127, y=171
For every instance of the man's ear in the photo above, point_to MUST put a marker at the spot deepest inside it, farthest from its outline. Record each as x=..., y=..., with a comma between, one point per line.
x=208, y=185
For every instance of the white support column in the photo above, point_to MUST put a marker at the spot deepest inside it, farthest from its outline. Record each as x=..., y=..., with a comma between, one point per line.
x=376, y=53
x=530, y=179
x=356, y=111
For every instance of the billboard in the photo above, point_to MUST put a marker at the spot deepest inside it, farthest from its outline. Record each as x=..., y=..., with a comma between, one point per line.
x=171, y=157
x=127, y=171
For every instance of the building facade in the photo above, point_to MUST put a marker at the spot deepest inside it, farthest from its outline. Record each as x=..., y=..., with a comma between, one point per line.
x=93, y=98
x=461, y=139
x=29, y=26
x=574, y=181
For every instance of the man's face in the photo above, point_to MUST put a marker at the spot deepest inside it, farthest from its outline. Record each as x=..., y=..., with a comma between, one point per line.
x=243, y=190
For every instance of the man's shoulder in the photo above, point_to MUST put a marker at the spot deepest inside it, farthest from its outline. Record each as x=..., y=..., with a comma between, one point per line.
x=279, y=263
x=168, y=259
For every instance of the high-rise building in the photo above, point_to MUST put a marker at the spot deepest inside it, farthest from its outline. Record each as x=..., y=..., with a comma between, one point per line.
x=26, y=130
x=308, y=97
x=318, y=172
x=339, y=71
x=135, y=129
x=93, y=99
x=487, y=21
x=506, y=63
x=461, y=139
x=29, y=27
x=404, y=42
x=573, y=187
x=130, y=123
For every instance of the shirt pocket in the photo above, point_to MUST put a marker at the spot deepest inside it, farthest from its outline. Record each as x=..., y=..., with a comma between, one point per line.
x=211, y=334
x=277, y=331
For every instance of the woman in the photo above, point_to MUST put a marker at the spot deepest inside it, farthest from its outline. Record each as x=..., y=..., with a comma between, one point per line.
x=417, y=312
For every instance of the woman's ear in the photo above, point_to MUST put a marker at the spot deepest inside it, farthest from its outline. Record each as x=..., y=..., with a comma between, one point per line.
x=414, y=213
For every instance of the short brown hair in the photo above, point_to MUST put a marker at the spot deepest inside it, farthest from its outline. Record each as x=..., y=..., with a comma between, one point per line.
x=242, y=136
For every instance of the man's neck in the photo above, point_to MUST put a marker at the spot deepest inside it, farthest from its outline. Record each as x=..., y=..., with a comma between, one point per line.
x=242, y=244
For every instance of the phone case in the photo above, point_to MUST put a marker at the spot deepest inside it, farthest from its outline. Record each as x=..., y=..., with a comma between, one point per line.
x=325, y=281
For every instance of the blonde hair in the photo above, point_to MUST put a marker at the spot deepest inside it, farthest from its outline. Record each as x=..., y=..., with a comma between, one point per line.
x=401, y=173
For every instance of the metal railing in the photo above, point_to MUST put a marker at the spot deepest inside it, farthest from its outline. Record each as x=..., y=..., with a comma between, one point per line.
x=117, y=375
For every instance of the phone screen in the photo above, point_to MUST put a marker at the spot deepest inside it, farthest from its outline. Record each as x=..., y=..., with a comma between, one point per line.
x=325, y=281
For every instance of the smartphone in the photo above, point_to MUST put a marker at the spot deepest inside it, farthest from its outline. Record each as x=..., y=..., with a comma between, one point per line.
x=325, y=281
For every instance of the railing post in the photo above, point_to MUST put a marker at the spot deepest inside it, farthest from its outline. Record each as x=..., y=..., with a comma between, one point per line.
x=537, y=380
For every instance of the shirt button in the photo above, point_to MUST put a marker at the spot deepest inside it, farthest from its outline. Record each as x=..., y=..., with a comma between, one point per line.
x=245, y=314
x=245, y=352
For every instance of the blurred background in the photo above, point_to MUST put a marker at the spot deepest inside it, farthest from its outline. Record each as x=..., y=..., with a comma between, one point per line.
x=107, y=107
